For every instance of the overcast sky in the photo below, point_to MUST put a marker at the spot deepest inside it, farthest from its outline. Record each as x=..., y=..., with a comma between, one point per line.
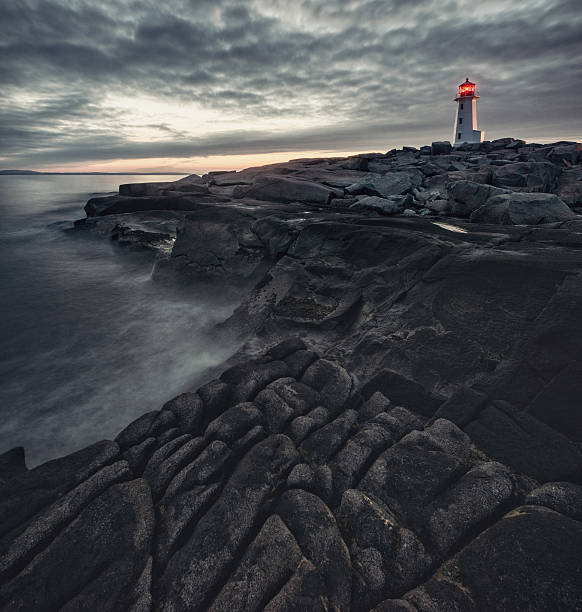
x=202, y=84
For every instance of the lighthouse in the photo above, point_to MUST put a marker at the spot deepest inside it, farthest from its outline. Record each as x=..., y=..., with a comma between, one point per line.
x=466, y=121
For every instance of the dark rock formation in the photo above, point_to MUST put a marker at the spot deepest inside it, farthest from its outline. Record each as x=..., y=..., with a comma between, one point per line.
x=522, y=209
x=374, y=508
x=399, y=430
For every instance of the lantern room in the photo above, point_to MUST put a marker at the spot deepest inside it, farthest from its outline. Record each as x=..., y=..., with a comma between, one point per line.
x=466, y=89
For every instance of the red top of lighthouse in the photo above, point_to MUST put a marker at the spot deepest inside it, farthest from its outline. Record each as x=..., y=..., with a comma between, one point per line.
x=466, y=89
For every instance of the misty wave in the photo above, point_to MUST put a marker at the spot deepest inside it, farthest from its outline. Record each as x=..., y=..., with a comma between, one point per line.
x=89, y=342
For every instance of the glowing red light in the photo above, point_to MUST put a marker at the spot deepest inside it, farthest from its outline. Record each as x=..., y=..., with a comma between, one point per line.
x=467, y=89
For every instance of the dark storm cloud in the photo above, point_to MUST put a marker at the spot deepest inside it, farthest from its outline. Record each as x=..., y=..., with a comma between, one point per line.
x=370, y=71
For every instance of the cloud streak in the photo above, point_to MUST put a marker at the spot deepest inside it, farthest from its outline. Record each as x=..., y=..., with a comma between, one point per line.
x=251, y=76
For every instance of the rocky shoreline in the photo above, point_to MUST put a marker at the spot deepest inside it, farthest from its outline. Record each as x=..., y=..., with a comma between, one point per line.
x=400, y=428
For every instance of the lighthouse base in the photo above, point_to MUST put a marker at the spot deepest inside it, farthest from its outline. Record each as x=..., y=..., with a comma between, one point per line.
x=474, y=136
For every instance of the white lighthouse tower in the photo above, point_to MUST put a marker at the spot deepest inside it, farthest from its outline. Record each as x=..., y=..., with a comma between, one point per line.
x=466, y=122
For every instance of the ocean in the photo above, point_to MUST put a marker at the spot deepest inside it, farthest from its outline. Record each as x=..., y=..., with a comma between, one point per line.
x=88, y=342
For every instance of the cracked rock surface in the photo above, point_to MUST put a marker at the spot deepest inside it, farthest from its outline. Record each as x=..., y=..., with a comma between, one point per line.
x=399, y=429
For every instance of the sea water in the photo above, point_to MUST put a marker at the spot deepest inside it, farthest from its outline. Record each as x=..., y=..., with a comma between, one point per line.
x=88, y=341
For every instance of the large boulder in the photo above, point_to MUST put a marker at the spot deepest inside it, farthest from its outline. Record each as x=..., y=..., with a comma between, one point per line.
x=489, y=204
x=568, y=153
x=391, y=205
x=500, y=143
x=522, y=209
x=119, y=204
x=189, y=184
x=385, y=185
x=98, y=559
x=529, y=560
x=209, y=245
x=527, y=176
x=282, y=189
x=354, y=162
x=142, y=189
x=440, y=182
x=441, y=148
x=570, y=186
x=467, y=196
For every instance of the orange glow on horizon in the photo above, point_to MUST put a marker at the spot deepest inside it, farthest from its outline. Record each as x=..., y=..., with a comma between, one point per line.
x=193, y=165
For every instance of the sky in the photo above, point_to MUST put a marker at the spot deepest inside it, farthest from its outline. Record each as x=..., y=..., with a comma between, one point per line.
x=198, y=85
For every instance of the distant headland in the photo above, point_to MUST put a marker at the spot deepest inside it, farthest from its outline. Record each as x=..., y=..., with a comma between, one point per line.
x=34, y=172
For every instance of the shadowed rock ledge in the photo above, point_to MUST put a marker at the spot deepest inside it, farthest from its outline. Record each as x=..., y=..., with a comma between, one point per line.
x=400, y=428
